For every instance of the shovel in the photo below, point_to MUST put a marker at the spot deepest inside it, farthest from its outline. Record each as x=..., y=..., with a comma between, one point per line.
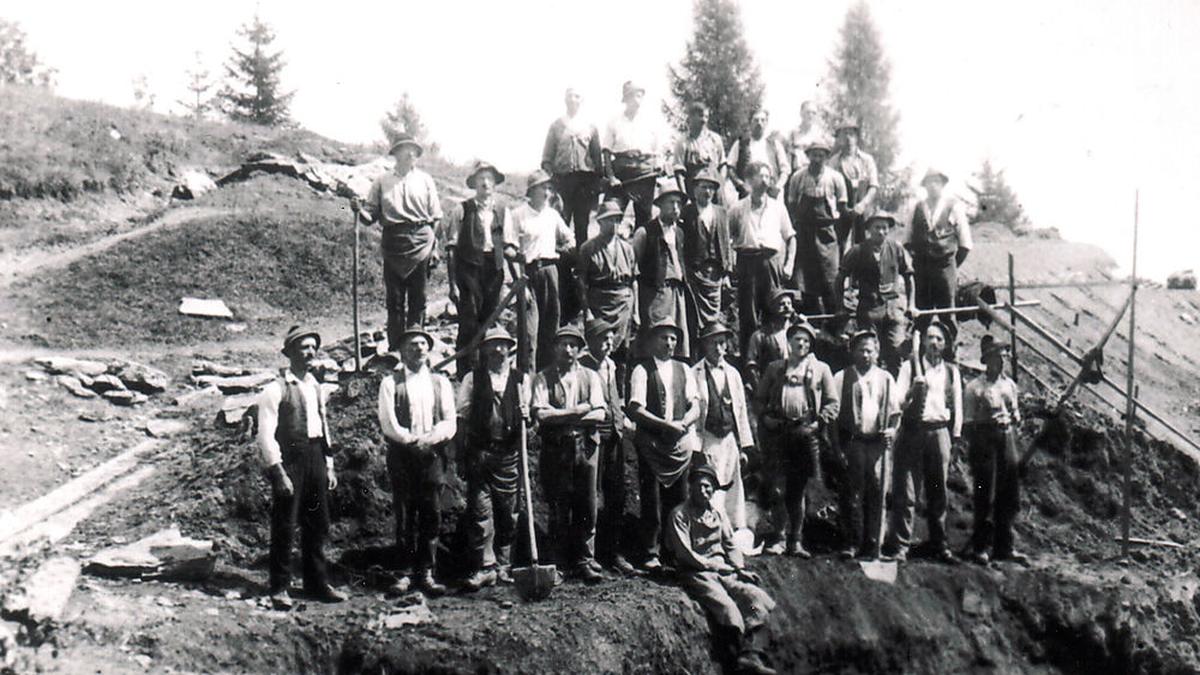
x=536, y=581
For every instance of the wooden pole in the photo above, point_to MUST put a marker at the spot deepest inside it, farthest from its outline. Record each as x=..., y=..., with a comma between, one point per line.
x=1130, y=405
x=1012, y=300
x=354, y=293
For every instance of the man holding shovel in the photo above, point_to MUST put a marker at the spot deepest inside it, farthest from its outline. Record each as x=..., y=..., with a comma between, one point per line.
x=406, y=205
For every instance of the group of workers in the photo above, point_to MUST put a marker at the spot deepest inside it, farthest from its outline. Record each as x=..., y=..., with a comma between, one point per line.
x=632, y=353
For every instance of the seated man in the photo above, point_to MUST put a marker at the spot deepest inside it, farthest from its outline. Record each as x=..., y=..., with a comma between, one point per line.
x=713, y=573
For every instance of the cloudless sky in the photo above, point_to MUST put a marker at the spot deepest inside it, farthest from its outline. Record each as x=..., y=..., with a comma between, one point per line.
x=1080, y=102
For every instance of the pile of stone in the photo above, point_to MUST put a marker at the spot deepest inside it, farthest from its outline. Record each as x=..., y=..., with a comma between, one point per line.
x=118, y=381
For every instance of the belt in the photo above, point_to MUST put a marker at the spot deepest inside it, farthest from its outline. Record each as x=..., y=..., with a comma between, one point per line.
x=542, y=262
x=613, y=284
x=409, y=222
x=933, y=426
x=755, y=252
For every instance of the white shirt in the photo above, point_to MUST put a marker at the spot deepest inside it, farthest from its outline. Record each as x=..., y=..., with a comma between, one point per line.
x=499, y=385
x=666, y=372
x=487, y=215
x=936, y=409
x=421, y=402
x=623, y=134
x=268, y=414
x=869, y=393
x=765, y=227
x=542, y=234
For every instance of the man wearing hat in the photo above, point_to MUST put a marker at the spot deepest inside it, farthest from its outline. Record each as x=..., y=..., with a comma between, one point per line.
x=664, y=404
x=933, y=405
x=868, y=415
x=713, y=572
x=406, y=205
x=708, y=258
x=417, y=416
x=765, y=242
x=797, y=400
x=992, y=417
x=293, y=442
x=608, y=272
x=939, y=240
x=660, y=251
x=759, y=146
x=862, y=183
x=700, y=150
x=491, y=402
x=815, y=197
x=770, y=342
x=601, y=338
x=479, y=238
x=724, y=424
x=572, y=156
x=544, y=238
x=631, y=156
x=876, y=268
x=568, y=403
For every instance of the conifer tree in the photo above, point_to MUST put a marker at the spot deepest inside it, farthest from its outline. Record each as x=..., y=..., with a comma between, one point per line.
x=252, y=92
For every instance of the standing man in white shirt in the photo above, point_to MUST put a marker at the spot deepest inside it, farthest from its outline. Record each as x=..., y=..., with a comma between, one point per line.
x=862, y=184
x=932, y=424
x=417, y=416
x=766, y=249
x=293, y=442
x=664, y=404
x=406, y=205
x=543, y=238
x=632, y=156
x=572, y=156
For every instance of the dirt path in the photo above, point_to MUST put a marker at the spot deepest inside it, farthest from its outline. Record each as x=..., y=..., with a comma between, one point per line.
x=21, y=264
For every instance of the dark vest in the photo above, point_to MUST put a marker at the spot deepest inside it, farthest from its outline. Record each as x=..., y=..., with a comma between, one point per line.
x=656, y=392
x=701, y=245
x=293, y=418
x=927, y=243
x=719, y=419
x=469, y=248
x=846, y=412
x=612, y=395
x=403, y=410
x=655, y=257
x=495, y=416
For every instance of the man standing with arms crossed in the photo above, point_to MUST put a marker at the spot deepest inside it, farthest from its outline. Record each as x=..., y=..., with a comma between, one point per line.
x=406, y=204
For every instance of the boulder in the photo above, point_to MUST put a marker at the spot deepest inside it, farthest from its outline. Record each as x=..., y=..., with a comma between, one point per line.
x=139, y=377
x=44, y=595
x=237, y=385
x=73, y=385
x=106, y=382
x=166, y=555
x=206, y=367
x=65, y=365
x=125, y=397
x=166, y=428
x=212, y=308
x=192, y=184
x=36, y=375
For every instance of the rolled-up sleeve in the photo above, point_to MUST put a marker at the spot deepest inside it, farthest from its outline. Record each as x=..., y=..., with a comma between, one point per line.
x=268, y=423
x=431, y=194
x=540, y=398
x=387, y=412
x=637, y=386
x=453, y=225
x=959, y=213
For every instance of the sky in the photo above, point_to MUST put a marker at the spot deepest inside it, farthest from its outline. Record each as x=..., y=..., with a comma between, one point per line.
x=1080, y=102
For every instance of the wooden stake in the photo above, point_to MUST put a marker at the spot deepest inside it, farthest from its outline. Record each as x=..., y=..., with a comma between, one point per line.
x=1012, y=300
x=354, y=293
x=1130, y=406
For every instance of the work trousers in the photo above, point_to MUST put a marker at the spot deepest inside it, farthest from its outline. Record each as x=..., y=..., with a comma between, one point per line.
x=578, y=192
x=493, y=509
x=888, y=322
x=304, y=463
x=922, y=457
x=994, y=459
x=657, y=502
x=479, y=289
x=612, y=487
x=935, y=285
x=417, y=477
x=404, y=296
x=860, y=504
x=641, y=193
x=792, y=460
x=758, y=275
x=731, y=602
x=569, y=465
x=543, y=281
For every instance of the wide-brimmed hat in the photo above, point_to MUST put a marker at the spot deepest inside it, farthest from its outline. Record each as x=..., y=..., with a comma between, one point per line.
x=861, y=335
x=847, y=125
x=778, y=295
x=666, y=187
x=405, y=139
x=570, y=331
x=497, y=334
x=802, y=326
x=818, y=144
x=934, y=173
x=707, y=175
x=414, y=331
x=714, y=329
x=479, y=168
x=667, y=324
x=704, y=469
x=594, y=328
x=538, y=177
x=611, y=208
x=990, y=346
x=297, y=333
x=881, y=215
x=629, y=88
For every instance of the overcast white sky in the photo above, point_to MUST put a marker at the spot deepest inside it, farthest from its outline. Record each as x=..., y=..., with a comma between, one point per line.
x=1080, y=102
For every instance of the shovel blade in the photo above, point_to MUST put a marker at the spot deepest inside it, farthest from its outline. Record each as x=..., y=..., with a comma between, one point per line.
x=879, y=571
x=534, y=582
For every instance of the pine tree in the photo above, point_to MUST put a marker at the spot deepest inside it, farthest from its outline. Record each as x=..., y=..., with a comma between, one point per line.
x=18, y=63
x=996, y=202
x=859, y=78
x=718, y=70
x=199, y=83
x=252, y=92
x=403, y=118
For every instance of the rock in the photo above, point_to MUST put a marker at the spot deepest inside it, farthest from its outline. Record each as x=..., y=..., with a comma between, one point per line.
x=139, y=377
x=165, y=428
x=36, y=375
x=73, y=385
x=234, y=408
x=206, y=367
x=165, y=555
x=192, y=184
x=125, y=397
x=215, y=308
x=65, y=365
x=1187, y=318
x=106, y=382
x=239, y=384
x=94, y=416
x=45, y=594
x=207, y=398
